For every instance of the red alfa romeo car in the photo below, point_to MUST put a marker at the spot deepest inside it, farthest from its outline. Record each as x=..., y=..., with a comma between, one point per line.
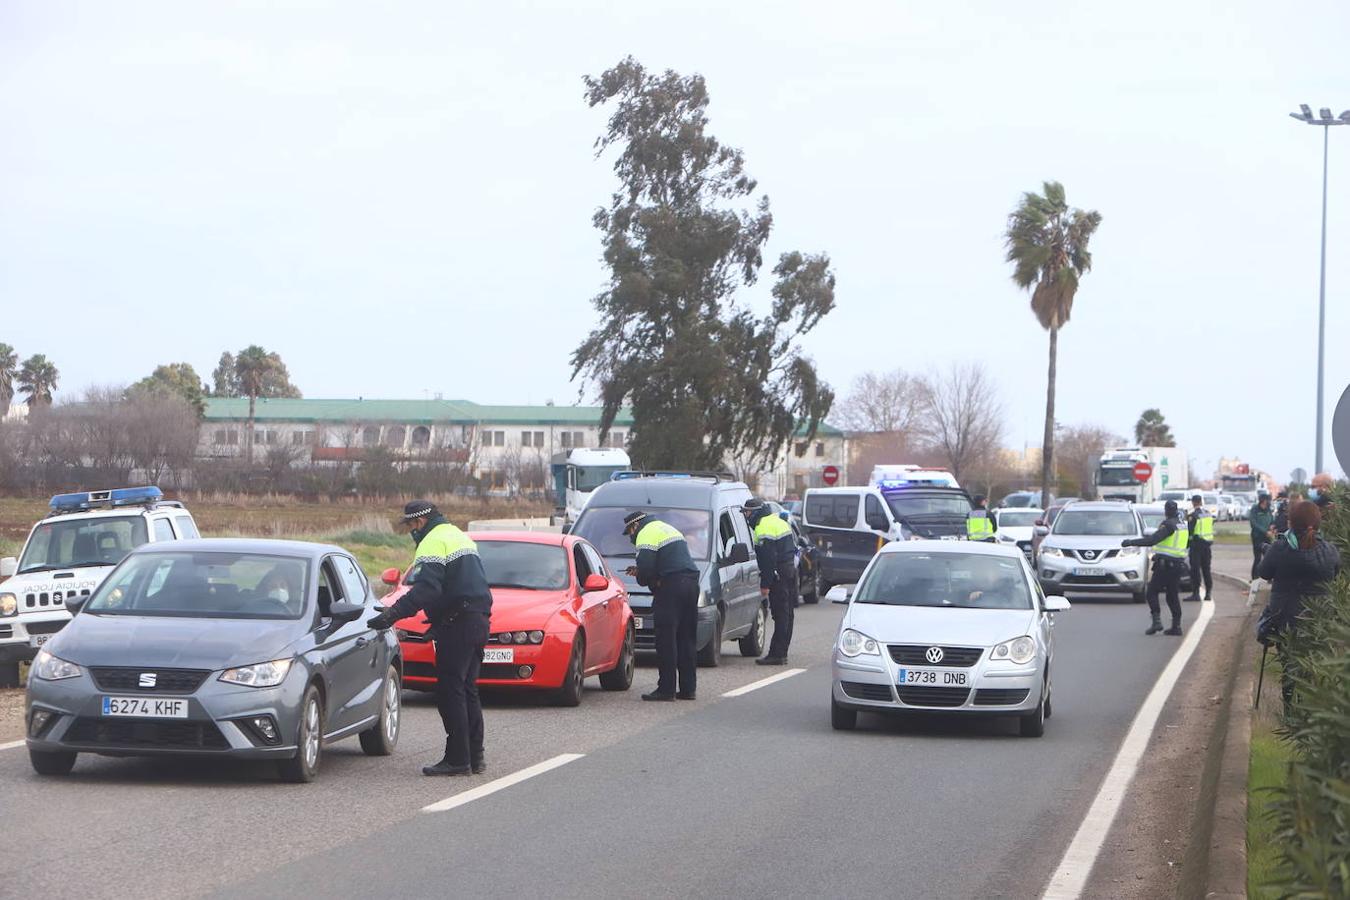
x=558, y=616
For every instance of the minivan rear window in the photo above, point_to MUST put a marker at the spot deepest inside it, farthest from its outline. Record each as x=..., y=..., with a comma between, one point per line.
x=832, y=510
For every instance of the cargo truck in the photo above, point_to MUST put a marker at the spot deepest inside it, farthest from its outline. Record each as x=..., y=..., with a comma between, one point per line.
x=1116, y=473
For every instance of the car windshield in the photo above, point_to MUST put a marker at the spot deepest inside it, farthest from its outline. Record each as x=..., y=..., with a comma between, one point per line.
x=1019, y=499
x=1151, y=521
x=960, y=580
x=588, y=478
x=603, y=527
x=204, y=585
x=905, y=504
x=520, y=564
x=73, y=543
x=1009, y=518
x=1096, y=522
x=1116, y=476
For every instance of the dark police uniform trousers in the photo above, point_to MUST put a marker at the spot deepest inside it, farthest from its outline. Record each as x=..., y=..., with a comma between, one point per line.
x=783, y=606
x=1201, y=554
x=459, y=657
x=675, y=613
x=1166, y=578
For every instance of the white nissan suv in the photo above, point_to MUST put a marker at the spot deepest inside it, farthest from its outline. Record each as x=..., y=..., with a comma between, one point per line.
x=69, y=553
x=1082, y=552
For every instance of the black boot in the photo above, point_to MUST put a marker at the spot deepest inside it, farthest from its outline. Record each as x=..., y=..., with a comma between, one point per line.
x=1156, y=626
x=478, y=764
x=1175, y=630
x=444, y=767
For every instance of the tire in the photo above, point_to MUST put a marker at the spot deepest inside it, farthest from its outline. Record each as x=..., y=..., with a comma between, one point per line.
x=753, y=643
x=710, y=657
x=304, y=766
x=808, y=589
x=1033, y=724
x=620, y=678
x=1139, y=596
x=382, y=737
x=841, y=717
x=822, y=586
x=569, y=694
x=58, y=762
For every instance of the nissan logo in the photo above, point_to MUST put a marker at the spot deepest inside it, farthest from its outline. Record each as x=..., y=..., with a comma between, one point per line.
x=148, y=679
x=934, y=654
x=1089, y=554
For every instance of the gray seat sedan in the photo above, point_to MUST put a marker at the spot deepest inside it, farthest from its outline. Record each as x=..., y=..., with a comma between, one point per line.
x=238, y=648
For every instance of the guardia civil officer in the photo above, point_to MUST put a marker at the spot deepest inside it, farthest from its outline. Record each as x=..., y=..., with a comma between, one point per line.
x=1169, y=555
x=980, y=524
x=665, y=566
x=450, y=586
x=776, y=552
x=1200, y=521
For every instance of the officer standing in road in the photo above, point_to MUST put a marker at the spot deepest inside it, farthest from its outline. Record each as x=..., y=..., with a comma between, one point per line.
x=1262, y=520
x=450, y=586
x=1200, y=521
x=665, y=566
x=980, y=524
x=776, y=553
x=1169, y=542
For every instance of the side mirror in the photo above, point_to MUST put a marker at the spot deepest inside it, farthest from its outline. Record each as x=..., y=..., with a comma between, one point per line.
x=390, y=576
x=1040, y=531
x=840, y=593
x=75, y=604
x=344, y=611
x=739, y=554
x=8, y=566
x=594, y=582
x=1056, y=604
x=566, y=528
x=878, y=524
x=1039, y=523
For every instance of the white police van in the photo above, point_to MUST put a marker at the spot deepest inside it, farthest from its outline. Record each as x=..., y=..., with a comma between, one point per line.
x=69, y=553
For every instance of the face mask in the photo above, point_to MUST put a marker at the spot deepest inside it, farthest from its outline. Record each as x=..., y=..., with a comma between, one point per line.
x=281, y=595
x=1313, y=494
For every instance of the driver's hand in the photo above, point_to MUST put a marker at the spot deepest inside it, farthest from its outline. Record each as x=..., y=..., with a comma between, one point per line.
x=631, y=570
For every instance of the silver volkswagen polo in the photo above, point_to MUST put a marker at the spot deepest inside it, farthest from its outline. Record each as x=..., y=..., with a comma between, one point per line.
x=241, y=648
x=946, y=627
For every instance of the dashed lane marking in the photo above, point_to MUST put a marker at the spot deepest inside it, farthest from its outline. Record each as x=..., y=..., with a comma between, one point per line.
x=502, y=783
x=763, y=682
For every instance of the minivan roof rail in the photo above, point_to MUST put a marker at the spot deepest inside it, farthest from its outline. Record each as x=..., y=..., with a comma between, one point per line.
x=715, y=477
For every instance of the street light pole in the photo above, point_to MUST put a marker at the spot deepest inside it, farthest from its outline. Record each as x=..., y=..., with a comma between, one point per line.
x=1325, y=120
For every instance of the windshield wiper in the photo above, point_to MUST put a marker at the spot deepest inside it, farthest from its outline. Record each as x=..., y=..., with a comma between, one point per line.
x=512, y=584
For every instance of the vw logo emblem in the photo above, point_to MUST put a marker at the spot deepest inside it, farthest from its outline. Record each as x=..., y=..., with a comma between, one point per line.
x=934, y=654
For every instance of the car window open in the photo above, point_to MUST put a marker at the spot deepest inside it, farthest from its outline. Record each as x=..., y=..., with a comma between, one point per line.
x=1104, y=522
x=960, y=580
x=527, y=566
x=103, y=541
x=602, y=526
x=213, y=585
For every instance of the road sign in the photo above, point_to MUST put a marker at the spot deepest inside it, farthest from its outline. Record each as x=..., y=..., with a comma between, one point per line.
x=830, y=475
x=1299, y=476
x=1142, y=472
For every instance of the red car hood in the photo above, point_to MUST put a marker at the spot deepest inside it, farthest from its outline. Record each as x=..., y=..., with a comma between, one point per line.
x=512, y=609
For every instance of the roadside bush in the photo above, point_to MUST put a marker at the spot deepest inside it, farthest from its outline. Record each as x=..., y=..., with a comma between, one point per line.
x=1312, y=810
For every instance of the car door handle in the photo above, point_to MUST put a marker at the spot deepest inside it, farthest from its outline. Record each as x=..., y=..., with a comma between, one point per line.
x=362, y=642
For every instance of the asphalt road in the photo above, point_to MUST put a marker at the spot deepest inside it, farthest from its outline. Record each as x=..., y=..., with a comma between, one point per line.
x=752, y=795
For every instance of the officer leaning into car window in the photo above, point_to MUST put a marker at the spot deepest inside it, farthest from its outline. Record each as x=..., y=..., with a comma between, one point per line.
x=665, y=566
x=980, y=524
x=776, y=553
x=1201, y=524
x=1169, y=545
x=450, y=586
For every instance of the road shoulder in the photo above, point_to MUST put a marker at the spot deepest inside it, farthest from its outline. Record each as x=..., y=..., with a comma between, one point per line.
x=1177, y=823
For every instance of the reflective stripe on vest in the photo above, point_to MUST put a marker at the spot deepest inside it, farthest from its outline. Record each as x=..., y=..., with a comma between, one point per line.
x=1204, y=527
x=979, y=525
x=657, y=534
x=1176, y=544
x=771, y=528
x=444, y=544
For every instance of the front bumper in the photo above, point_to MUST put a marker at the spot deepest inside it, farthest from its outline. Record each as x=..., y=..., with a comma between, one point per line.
x=646, y=622
x=994, y=688
x=1117, y=575
x=22, y=635
x=547, y=664
x=215, y=724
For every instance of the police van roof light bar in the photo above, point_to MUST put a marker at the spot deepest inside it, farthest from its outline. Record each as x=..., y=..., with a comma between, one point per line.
x=87, y=500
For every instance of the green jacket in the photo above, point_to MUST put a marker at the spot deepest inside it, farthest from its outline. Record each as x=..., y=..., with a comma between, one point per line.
x=1261, y=520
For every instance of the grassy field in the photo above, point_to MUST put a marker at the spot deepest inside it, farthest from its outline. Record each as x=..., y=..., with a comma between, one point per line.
x=1270, y=757
x=360, y=526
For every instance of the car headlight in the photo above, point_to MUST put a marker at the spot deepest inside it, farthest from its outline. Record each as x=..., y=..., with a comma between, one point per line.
x=9, y=605
x=267, y=674
x=855, y=643
x=1020, y=650
x=53, y=668
x=1131, y=551
x=1051, y=551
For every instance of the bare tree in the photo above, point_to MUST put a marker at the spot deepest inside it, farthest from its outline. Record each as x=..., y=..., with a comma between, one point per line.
x=1078, y=451
x=963, y=416
x=882, y=403
x=162, y=431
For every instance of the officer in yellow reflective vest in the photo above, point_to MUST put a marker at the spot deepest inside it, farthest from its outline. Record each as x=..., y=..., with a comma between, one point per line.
x=776, y=553
x=980, y=524
x=1169, y=545
x=665, y=565
x=1201, y=526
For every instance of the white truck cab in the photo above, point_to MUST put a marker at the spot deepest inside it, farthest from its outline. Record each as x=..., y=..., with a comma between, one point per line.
x=578, y=472
x=69, y=553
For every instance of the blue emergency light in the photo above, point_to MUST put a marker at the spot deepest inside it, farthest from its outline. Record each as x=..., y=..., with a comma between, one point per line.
x=85, y=500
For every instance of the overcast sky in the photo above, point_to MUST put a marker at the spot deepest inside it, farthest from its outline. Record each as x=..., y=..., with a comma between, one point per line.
x=397, y=196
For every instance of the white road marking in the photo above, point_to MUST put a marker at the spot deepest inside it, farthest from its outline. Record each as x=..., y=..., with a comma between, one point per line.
x=763, y=682
x=502, y=783
x=1072, y=873
x=11, y=745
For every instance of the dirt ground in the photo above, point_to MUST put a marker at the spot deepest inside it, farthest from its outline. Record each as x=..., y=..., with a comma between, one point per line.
x=11, y=714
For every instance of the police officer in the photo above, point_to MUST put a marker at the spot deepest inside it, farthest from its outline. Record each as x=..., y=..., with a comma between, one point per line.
x=776, y=553
x=1169, y=543
x=1200, y=521
x=665, y=566
x=980, y=524
x=450, y=586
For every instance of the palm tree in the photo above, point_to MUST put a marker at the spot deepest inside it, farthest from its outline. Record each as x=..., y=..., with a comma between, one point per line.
x=37, y=380
x=260, y=374
x=1047, y=243
x=1152, y=430
x=9, y=372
